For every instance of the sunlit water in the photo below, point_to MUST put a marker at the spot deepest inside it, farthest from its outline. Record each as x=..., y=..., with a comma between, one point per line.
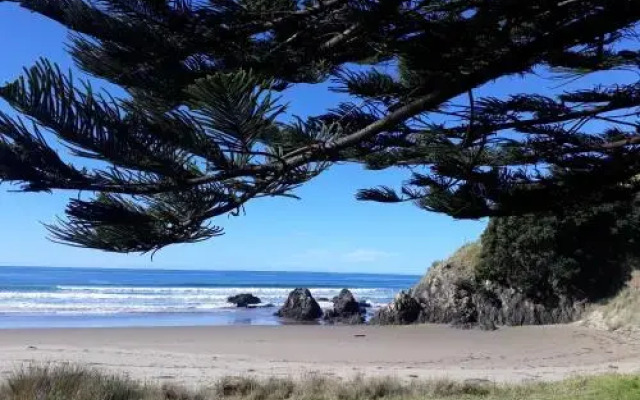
x=90, y=297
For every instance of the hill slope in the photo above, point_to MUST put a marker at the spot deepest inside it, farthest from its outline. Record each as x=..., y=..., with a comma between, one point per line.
x=621, y=312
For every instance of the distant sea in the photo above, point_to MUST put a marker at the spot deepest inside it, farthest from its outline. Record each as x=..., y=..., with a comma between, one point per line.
x=42, y=297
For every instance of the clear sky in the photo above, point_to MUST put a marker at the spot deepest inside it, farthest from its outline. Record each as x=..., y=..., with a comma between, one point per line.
x=328, y=230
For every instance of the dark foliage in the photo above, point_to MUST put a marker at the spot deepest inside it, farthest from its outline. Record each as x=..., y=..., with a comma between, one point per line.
x=587, y=254
x=202, y=129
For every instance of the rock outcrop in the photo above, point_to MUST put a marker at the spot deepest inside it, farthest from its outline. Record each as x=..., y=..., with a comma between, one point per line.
x=487, y=305
x=346, y=304
x=403, y=310
x=300, y=306
x=244, y=300
x=450, y=293
x=346, y=309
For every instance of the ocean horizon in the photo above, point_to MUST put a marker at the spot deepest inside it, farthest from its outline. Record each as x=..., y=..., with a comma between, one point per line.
x=48, y=297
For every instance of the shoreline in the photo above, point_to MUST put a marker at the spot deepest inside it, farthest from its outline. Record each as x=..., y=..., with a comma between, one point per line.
x=199, y=355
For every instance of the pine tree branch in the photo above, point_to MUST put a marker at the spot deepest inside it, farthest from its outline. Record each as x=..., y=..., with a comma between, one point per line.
x=184, y=150
x=344, y=35
x=519, y=59
x=308, y=11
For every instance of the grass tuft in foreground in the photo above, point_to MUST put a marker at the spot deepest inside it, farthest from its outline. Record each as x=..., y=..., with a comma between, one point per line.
x=68, y=382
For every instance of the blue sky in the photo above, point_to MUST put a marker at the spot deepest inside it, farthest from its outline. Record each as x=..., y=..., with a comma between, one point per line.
x=328, y=230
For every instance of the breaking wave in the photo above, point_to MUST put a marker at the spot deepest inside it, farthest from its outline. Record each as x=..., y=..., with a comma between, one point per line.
x=103, y=300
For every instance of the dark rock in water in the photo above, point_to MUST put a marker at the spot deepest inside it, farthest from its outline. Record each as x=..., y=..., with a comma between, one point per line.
x=346, y=309
x=345, y=304
x=244, y=300
x=403, y=310
x=300, y=306
x=364, y=304
x=268, y=305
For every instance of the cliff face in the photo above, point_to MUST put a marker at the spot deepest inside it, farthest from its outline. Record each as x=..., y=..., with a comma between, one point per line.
x=450, y=293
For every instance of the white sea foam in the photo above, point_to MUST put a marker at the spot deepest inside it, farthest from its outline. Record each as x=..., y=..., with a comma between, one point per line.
x=212, y=290
x=101, y=300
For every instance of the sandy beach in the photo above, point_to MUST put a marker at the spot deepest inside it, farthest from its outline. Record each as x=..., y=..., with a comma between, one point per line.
x=197, y=355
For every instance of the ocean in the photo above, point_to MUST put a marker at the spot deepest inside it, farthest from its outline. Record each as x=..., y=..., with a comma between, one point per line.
x=45, y=297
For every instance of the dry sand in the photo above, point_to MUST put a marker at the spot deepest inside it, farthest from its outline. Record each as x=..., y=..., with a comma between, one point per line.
x=196, y=355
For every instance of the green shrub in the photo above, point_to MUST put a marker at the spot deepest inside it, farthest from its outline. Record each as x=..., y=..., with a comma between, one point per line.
x=586, y=254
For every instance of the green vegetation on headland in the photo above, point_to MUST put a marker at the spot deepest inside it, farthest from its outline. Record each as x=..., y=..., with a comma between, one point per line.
x=68, y=382
x=583, y=254
x=533, y=270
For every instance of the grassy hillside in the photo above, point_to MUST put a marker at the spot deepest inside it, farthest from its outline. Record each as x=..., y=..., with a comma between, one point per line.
x=461, y=264
x=77, y=383
x=621, y=312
